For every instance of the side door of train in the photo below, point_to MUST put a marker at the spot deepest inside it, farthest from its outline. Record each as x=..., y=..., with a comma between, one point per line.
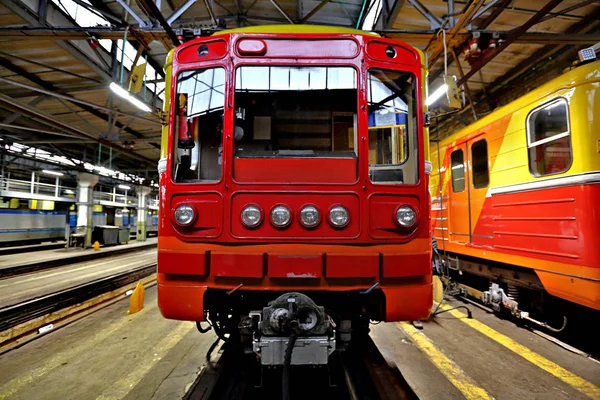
x=459, y=225
x=469, y=179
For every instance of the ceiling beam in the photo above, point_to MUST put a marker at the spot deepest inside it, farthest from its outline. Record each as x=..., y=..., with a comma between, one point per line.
x=281, y=11
x=48, y=119
x=313, y=11
x=50, y=87
x=53, y=91
x=434, y=22
x=150, y=8
x=516, y=33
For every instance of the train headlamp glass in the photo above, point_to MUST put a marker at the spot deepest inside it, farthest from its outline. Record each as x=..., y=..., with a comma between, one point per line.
x=184, y=214
x=310, y=216
x=406, y=216
x=281, y=216
x=339, y=217
x=251, y=216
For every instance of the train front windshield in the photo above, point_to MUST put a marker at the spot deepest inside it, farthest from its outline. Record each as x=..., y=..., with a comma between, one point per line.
x=296, y=112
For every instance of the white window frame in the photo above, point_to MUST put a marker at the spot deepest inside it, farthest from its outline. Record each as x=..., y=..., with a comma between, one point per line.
x=529, y=132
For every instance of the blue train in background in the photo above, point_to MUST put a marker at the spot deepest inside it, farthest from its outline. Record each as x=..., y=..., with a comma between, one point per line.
x=22, y=225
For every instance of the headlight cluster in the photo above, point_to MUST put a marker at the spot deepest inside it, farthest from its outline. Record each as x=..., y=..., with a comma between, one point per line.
x=185, y=214
x=281, y=216
x=406, y=216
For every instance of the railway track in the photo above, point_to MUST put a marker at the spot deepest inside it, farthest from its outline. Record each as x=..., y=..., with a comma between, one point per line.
x=360, y=373
x=21, y=322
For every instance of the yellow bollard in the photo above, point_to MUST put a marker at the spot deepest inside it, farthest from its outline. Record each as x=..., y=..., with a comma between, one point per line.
x=96, y=246
x=136, y=303
x=438, y=289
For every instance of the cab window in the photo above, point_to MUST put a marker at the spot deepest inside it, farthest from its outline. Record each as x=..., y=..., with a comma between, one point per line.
x=549, y=139
x=200, y=102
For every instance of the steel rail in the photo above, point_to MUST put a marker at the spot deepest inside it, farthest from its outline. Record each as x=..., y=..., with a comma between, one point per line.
x=361, y=372
x=20, y=313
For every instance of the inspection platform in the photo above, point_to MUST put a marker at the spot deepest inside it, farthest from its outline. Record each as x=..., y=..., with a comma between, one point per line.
x=14, y=264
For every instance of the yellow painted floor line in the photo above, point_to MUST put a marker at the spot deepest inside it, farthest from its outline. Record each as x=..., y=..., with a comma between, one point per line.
x=584, y=386
x=82, y=349
x=123, y=386
x=451, y=371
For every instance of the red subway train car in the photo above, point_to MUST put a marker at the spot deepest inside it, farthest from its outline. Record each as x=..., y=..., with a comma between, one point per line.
x=294, y=193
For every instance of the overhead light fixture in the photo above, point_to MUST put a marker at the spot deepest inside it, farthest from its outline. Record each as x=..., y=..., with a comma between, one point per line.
x=435, y=96
x=119, y=91
x=50, y=172
x=124, y=187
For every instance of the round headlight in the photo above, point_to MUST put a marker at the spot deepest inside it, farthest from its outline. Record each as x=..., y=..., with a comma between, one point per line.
x=184, y=214
x=310, y=216
x=339, y=216
x=251, y=216
x=406, y=216
x=281, y=216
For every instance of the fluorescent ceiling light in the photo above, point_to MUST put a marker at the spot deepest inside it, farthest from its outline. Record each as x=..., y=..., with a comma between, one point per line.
x=119, y=91
x=435, y=96
x=125, y=187
x=50, y=172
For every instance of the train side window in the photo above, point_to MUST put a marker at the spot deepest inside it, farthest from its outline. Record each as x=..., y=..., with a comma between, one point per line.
x=480, y=169
x=457, y=161
x=549, y=139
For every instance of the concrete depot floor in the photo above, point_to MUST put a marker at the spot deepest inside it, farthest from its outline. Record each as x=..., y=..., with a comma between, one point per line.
x=8, y=261
x=25, y=287
x=108, y=355
x=112, y=355
x=467, y=363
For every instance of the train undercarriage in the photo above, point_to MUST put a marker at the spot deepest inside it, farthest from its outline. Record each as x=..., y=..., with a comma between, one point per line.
x=292, y=328
x=514, y=292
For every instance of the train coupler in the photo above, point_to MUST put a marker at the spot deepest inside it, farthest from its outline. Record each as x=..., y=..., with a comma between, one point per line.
x=291, y=324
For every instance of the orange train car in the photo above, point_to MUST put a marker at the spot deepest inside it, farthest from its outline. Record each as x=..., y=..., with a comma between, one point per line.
x=515, y=199
x=294, y=195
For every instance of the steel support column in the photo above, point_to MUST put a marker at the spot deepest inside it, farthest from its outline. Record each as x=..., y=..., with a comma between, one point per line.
x=142, y=210
x=85, y=205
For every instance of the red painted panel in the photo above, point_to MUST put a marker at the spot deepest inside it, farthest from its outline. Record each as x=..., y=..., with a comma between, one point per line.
x=311, y=48
x=352, y=266
x=295, y=265
x=408, y=303
x=236, y=265
x=377, y=51
x=295, y=171
x=182, y=302
x=172, y=262
x=209, y=214
x=557, y=224
x=295, y=201
x=382, y=215
x=215, y=50
x=404, y=265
